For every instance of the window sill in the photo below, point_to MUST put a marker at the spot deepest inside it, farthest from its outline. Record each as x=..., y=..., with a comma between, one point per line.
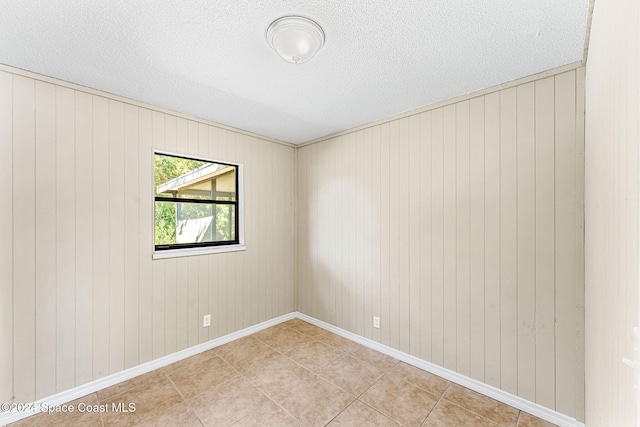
x=176, y=253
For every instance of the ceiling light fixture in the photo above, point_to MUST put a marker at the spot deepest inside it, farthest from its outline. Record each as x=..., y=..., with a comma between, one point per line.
x=295, y=38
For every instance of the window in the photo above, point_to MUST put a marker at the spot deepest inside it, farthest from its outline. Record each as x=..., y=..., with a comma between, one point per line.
x=196, y=204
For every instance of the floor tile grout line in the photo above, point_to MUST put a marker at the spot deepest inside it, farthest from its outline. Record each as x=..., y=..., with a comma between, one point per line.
x=474, y=412
x=157, y=414
x=312, y=372
x=418, y=385
x=344, y=354
x=378, y=411
x=184, y=399
x=436, y=404
x=340, y=412
x=269, y=397
x=260, y=389
x=187, y=399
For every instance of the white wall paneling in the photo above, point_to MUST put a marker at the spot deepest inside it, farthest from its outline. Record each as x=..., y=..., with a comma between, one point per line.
x=461, y=227
x=81, y=296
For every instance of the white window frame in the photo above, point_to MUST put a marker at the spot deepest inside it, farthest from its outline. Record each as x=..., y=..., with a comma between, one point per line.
x=182, y=252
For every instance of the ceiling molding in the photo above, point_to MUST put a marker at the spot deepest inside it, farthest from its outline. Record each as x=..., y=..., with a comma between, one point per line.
x=91, y=91
x=533, y=77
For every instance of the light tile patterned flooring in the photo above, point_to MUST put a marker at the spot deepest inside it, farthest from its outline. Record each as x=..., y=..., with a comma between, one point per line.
x=292, y=374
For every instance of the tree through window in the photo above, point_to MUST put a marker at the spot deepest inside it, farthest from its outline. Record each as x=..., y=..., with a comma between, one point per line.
x=196, y=202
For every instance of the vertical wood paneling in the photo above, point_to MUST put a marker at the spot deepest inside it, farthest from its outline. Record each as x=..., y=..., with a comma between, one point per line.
x=414, y=237
x=247, y=258
x=333, y=211
x=377, y=203
x=319, y=207
x=340, y=233
x=565, y=238
x=276, y=174
x=131, y=235
x=508, y=243
x=476, y=237
x=462, y=238
x=303, y=227
x=526, y=235
x=253, y=205
x=214, y=329
x=236, y=273
x=425, y=236
x=275, y=248
x=545, y=243
x=385, y=217
x=79, y=286
x=45, y=238
x=65, y=238
x=116, y=236
x=394, y=240
x=290, y=245
x=24, y=226
x=158, y=271
x=145, y=216
x=366, y=233
x=261, y=237
x=352, y=254
x=193, y=321
x=243, y=291
x=239, y=260
x=437, y=237
x=313, y=203
x=403, y=234
x=101, y=190
x=6, y=230
x=449, y=230
x=492, y=239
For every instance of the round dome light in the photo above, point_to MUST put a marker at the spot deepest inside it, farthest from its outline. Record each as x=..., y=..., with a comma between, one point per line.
x=295, y=38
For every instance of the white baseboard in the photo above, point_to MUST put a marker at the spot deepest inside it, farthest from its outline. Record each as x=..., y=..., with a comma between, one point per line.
x=492, y=392
x=102, y=383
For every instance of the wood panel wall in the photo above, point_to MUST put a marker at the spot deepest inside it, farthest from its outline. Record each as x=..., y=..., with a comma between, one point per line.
x=462, y=228
x=612, y=213
x=80, y=296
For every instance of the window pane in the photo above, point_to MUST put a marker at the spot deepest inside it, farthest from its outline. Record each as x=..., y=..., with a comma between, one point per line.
x=194, y=179
x=185, y=223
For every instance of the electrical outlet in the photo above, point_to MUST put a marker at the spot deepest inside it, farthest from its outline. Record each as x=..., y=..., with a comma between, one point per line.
x=206, y=322
x=376, y=322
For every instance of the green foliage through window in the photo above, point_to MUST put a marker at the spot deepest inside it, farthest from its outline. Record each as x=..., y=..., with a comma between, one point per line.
x=195, y=201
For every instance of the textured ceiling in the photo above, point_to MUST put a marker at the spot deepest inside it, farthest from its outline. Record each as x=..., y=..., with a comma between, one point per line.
x=210, y=59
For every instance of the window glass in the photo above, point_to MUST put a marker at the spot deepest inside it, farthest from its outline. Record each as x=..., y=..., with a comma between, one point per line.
x=196, y=202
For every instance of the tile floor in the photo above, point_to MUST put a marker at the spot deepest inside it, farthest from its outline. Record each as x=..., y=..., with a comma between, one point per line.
x=291, y=374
